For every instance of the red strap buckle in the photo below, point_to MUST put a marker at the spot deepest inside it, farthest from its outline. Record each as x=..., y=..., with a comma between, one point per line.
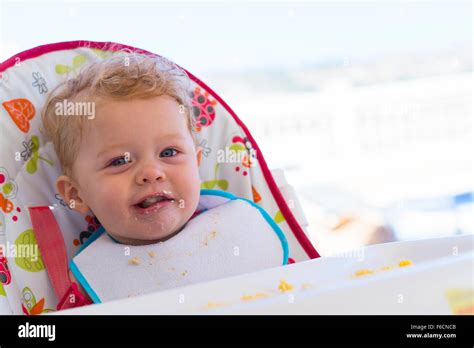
x=73, y=298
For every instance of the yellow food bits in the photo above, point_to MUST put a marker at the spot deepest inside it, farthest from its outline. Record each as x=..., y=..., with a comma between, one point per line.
x=211, y=235
x=257, y=296
x=386, y=268
x=363, y=272
x=284, y=286
x=134, y=261
x=211, y=305
x=152, y=254
x=405, y=263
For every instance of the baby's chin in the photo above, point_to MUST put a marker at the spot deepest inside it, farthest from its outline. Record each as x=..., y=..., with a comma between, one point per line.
x=158, y=229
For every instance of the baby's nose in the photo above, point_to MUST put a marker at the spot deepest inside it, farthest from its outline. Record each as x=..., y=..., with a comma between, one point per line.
x=150, y=174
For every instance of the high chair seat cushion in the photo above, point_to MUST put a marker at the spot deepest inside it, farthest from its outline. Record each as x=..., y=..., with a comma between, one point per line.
x=29, y=165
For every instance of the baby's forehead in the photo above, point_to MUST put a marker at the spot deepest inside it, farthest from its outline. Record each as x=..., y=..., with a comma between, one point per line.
x=114, y=127
x=137, y=120
x=167, y=114
x=109, y=129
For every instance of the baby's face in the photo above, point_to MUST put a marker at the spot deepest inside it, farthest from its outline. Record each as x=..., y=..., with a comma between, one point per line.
x=137, y=169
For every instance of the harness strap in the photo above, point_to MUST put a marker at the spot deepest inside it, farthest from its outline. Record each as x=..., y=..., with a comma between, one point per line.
x=53, y=252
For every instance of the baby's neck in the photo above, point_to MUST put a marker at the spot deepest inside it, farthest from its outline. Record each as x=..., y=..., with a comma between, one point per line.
x=131, y=241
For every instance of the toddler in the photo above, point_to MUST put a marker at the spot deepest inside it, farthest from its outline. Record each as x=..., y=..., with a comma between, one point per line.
x=135, y=164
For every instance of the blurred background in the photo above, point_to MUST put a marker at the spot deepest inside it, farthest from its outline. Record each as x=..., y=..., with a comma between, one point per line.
x=366, y=106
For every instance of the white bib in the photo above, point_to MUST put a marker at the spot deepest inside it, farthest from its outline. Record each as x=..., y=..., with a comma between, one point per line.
x=232, y=236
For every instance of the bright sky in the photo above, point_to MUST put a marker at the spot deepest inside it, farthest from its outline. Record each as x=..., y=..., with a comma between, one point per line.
x=206, y=36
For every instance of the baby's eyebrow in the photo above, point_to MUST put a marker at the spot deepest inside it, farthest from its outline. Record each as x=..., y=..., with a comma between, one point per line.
x=173, y=136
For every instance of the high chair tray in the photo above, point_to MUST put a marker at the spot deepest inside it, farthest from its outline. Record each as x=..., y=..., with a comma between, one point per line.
x=432, y=276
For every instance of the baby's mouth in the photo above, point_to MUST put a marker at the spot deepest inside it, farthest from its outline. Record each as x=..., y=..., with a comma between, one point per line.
x=148, y=202
x=151, y=203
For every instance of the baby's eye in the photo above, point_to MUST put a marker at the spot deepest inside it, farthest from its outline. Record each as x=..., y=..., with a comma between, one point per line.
x=119, y=161
x=170, y=152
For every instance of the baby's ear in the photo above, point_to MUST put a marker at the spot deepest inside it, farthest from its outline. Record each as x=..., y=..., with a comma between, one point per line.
x=70, y=193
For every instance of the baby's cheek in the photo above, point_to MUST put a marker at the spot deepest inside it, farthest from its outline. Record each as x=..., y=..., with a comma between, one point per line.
x=109, y=203
x=192, y=192
x=106, y=194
